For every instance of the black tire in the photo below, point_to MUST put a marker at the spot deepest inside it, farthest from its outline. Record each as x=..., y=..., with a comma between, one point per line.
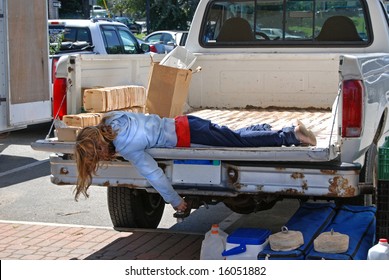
x=131, y=208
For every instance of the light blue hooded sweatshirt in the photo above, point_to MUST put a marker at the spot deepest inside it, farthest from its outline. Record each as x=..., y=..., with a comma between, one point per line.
x=135, y=134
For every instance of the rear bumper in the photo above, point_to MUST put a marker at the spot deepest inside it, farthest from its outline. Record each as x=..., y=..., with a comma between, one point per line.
x=226, y=178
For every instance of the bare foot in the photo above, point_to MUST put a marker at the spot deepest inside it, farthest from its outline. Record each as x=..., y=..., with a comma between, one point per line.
x=304, y=135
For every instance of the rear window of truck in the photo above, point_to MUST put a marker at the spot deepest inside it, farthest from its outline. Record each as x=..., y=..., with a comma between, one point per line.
x=285, y=22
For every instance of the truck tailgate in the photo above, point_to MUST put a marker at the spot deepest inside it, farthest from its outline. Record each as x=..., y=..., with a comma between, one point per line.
x=320, y=121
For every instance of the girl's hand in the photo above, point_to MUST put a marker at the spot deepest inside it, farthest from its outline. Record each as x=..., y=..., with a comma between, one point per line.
x=182, y=207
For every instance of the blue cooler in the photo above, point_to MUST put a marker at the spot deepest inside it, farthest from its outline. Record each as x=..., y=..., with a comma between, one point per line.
x=246, y=243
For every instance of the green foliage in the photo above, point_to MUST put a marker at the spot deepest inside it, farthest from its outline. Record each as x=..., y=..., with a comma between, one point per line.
x=70, y=9
x=164, y=14
x=169, y=14
x=55, y=43
x=101, y=3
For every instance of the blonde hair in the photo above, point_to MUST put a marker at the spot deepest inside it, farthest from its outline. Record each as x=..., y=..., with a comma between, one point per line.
x=93, y=145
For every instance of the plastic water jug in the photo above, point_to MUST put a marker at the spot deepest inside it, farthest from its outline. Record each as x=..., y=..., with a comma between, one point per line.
x=215, y=227
x=379, y=251
x=213, y=244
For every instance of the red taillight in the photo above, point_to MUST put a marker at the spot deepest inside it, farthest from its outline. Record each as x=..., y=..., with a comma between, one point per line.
x=352, y=108
x=59, y=98
x=153, y=49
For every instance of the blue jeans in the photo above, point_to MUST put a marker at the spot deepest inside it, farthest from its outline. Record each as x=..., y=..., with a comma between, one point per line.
x=205, y=132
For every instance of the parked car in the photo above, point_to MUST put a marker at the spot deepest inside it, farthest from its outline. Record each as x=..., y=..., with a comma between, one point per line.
x=98, y=11
x=276, y=34
x=167, y=39
x=100, y=36
x=95, y=36
x=153, y=48
x=131, y=24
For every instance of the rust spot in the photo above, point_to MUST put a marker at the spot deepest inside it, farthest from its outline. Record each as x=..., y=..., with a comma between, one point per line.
x=340, y=187
x=297, y=175
x=64, y=171
x=130, y=186
x=328, y=171
x=304, y=185
x=280, y=168
x=232, y=174
x=291, y=192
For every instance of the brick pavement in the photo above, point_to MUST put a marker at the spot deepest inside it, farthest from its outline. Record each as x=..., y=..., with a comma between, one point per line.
x=38, y=241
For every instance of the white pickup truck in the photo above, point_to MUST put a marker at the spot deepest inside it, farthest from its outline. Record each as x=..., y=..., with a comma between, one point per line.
x=328, y=67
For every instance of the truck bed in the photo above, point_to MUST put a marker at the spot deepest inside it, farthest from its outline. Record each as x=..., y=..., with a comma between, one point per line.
x=320, y=121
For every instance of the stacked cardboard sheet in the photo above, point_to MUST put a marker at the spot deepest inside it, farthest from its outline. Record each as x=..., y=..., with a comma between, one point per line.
x=82, y=120
x=114, y=98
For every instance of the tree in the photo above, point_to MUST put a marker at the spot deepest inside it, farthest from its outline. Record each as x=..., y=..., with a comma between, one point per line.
x=85, y=8
x=164, y=14
x=74, y=9
x=70, y=9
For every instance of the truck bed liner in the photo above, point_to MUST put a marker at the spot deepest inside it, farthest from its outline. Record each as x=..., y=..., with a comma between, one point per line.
x=317, y=120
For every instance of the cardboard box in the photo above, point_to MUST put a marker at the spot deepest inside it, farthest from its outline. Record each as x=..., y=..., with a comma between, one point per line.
x=167, y=90
x=67, y=134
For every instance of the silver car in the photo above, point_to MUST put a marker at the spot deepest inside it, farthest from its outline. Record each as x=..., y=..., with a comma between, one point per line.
x=167, y=40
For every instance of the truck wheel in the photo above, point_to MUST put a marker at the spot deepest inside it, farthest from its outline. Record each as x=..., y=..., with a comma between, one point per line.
x=131, y=208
